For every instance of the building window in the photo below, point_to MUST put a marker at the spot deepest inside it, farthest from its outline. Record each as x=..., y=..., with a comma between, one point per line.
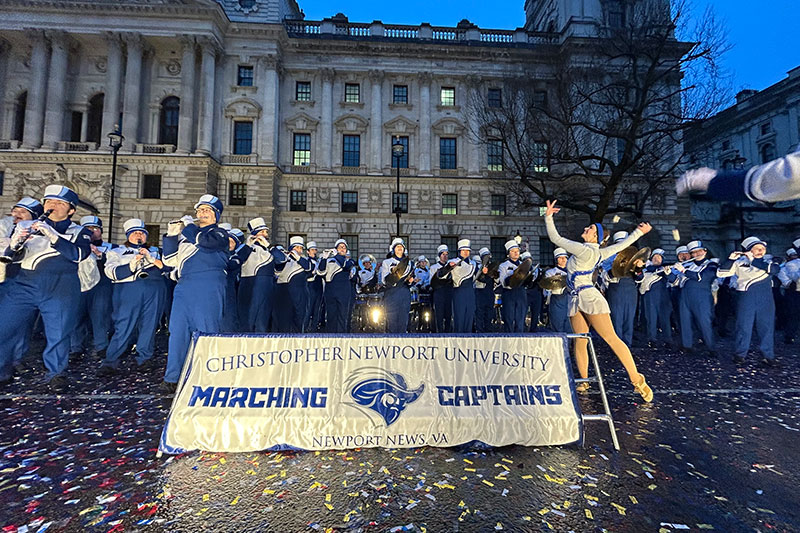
x=400, y=94
x=153, y=234
x=403, y=161
x=541, y=161
x=616, y=14
x=497, y=246
x=352, y=245
x=449, y=204
x=546, y=249
x=400, y=202
x=75, y=126
x=447, y=153
x=151, y=186
x=767, y=153
x=448, y=96
x=766, y=128
x=301, y=155
x=495, y=98
x=19, y=116
x=351, y=150
x=244, y=78
x=452, y=245
x=243, y=137
x=539, y=99
x=494, y=152
x=349, y=202
x=498, y=205
x=94, y=121
x=352, y=93
x=302, y=91
x=2, y=181
x=168, y=121
x=237, y=194
x=297, y=200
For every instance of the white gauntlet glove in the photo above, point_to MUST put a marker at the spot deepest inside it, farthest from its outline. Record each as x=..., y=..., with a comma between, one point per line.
x=187, y=219
x=174, y=228
x=48, y=231
x=19, y=236
x=696, y=180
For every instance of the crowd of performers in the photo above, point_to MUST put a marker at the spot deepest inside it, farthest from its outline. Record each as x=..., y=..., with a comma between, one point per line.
x=213, y=278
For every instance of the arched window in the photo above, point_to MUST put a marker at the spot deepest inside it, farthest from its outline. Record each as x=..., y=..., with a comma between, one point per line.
x=94, y=119
x=767, y=153
x=19, y=116
x=168, y=122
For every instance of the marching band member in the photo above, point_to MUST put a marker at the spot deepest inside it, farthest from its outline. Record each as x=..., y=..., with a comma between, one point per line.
x=135, y=274
x=199, y=253
x=367, y=278
x=754, y=303
x=48, y=251
x=558, y=299
x=696, y=302
x=515, y=301
x=257, y=278
x=442, y=292
x=621, y=295
x=353, y=291
x=484, y=295
x=293, y=277
x=238, y=254
x=26, y=209
x=533, y=294
x=316, y=289
x=422, y=275
x=397, y=299
x=790, y=281
x=463, y=275
x=587, y=305
x=652, y=282
x=95, y=304
x=337, y=270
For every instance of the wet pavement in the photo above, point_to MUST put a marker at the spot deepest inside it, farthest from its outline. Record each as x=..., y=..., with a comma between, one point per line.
x=716, y=451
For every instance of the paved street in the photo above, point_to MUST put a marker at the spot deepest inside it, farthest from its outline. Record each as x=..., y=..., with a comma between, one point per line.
x=717, y=450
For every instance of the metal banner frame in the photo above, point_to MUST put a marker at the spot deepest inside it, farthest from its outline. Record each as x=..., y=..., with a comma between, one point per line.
x=598, y=378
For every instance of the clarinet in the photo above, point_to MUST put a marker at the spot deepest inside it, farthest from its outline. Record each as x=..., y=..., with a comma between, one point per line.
x=20, y=245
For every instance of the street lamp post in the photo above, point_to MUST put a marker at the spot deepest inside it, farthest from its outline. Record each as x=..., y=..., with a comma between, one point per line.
x=115, y=139
x=738, y=163
x=398, y=150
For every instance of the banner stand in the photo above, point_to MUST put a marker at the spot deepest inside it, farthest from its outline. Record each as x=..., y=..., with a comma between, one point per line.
x=598, y=378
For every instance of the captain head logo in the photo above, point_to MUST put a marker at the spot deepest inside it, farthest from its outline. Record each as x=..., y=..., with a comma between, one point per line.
x=381, y=395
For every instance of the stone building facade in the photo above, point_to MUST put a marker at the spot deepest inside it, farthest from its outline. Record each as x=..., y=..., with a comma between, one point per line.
x=284, y=118
x=761, y=126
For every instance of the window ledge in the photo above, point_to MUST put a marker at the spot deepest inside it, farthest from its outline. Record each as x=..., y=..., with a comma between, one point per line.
x=351, y=104
x=240, y=159
x=309, y=103
x=408, y=107
x=454, y=108
x=69, y=146
x=244, y=89
x=9, y=144
x=353, y=171
x=155, y=148
x=302, y=169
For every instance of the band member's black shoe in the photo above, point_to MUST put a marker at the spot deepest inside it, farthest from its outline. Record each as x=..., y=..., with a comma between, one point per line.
x=769, y=362
x=58, y=384
x=106, y=371
x=167, y=387
x=738, y=359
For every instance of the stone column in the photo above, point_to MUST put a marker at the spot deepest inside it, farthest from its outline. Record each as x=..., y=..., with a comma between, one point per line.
x=376, y=123
x=54, y=111
x=186, y=119
x=208, y=69
x=84, y=111
x=326, y=125
x=425, y=124
x=131, y=104
x=113, y=85
x=473, y=149
x=269, y=128
x=34, y=114
x=5, y=118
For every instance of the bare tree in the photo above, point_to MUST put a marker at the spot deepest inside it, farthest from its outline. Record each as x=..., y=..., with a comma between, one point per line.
x=603, y=133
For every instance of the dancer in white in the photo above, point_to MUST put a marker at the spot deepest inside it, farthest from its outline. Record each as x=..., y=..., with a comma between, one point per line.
x=587, y=307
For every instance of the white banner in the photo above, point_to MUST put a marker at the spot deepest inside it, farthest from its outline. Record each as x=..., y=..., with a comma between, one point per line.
x=319, y=392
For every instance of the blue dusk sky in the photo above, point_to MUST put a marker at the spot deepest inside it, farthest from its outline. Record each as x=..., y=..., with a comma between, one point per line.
x=764, y=35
